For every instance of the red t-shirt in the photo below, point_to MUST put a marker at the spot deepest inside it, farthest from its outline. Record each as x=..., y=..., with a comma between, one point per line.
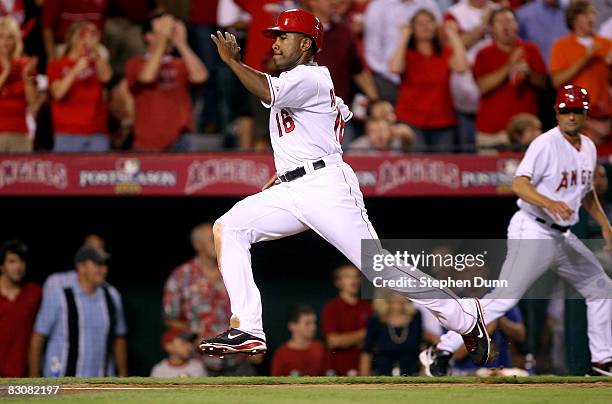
x=424, y=98
x=16, y=322
x=340, y=56
x=340, y=317
x=204, y=12
x=163, y=108
x=292, y=362
x=498, y=106
x=258, y=47
x=13, y=103
x=59, y=14
x=83, y=109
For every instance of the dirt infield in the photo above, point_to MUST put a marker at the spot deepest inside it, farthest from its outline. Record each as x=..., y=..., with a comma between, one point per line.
x=76, y=388
x=328, y=390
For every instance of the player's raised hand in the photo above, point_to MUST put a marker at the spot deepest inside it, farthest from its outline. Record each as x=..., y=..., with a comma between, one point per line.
x=559, y=210
x=226, y=46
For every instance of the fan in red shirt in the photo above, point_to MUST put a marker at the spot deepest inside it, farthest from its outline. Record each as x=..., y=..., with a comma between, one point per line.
x=17, y=89
x=19, y=304
x=161, y=83
x=76, y=84
x=424, y=101
x=58, y=15
x=344, y=323
x=508, y=73
x=302, y=355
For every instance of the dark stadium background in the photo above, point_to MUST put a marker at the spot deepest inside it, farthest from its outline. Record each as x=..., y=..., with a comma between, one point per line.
x=148, y=237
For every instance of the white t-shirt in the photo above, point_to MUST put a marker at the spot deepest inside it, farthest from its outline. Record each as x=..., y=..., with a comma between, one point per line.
x=606, y=29
x=192, y=368
x=464, y=89
x=558, y=171
x=306, y=118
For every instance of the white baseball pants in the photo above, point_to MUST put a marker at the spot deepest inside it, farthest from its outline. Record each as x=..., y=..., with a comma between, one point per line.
x=330, y=202
x=533, y=248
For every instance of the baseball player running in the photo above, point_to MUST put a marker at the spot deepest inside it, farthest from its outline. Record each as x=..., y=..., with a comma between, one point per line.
x=313, y=188
x=552, y=181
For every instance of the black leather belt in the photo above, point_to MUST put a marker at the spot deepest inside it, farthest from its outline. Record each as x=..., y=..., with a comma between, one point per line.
x=555, y=226
x=299, y=172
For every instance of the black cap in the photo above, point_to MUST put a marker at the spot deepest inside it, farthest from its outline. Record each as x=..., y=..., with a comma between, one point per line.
x=90, y=253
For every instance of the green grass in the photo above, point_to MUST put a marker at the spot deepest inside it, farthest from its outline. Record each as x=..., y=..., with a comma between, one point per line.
x=353, y=390
x=378, y=395
x=265, y=380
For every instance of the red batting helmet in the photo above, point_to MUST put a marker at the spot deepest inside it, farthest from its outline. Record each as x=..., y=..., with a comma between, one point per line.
x=298, y=21
x=571, y=96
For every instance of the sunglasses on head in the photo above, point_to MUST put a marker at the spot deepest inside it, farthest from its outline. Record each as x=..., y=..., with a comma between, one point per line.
x=577, y=111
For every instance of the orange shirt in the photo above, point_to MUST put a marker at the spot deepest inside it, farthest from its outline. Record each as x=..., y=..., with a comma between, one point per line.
x=82, y=111
x=594, y=76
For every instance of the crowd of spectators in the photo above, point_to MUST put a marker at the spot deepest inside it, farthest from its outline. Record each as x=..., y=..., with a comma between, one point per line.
x=100, y=75
x=75, y=325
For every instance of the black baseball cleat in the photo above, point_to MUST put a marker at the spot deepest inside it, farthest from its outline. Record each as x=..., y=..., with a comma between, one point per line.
x=477, y=340
x=600, y=369
x=233, y=341
x=435, y=362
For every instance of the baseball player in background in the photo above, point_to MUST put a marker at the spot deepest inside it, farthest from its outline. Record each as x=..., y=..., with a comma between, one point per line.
x=552, y=181
x=313, y=188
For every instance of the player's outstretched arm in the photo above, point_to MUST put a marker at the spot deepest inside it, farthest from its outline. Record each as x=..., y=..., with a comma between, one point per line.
x=524, y=189
x=254, y=81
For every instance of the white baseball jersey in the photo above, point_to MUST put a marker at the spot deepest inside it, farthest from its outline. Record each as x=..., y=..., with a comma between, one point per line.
x=306, y=118
x=558, y=171
x=306, y=125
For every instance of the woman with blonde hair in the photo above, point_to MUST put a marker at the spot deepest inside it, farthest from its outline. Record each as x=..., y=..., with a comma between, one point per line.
x=76, y=85
x=17, y=89
x=393, y=337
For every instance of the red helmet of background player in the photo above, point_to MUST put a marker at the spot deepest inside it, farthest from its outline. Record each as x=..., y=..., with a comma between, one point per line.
x=571, y=96
x=298, y=21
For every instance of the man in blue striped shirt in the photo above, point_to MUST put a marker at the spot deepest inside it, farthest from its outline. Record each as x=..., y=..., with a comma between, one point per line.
x=81, y=319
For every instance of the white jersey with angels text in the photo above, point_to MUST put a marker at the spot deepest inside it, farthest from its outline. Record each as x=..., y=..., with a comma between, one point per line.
x=558, y=171
x=306, y=118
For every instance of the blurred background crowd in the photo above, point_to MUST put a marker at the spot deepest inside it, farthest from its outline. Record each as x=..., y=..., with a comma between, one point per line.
x=421, y=75
x=75, y=324
x=471, y=76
